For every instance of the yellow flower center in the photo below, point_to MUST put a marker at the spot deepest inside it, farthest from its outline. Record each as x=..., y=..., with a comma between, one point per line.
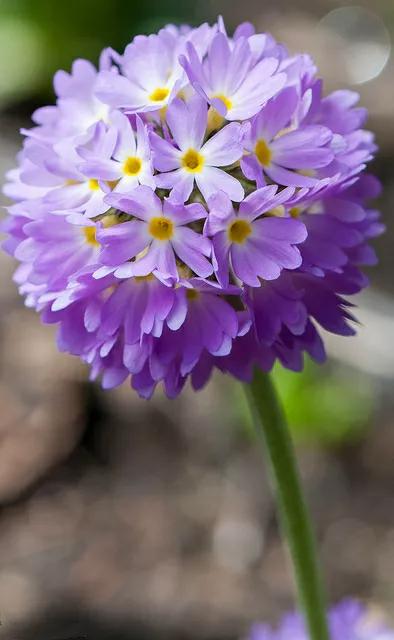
x=192, y=294
x=93, y=185
x=226, y=101
x=132, y=166
x=239, y=230
x=159, y=94
x=263, y=152
x=90, y=236
x=161, y=228
x=192, y=161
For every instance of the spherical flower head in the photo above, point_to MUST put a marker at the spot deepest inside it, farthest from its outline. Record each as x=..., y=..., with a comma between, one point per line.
x=195, y=203
x=349, y=620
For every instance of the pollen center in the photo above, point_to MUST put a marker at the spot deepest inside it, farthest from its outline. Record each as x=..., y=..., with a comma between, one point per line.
x=192, y=161
x=161, y=228
x=90, y=236
x=226, y=101
x=263, y=152
x=239, y=230
x=132, y=166
x=93, y=185
x=159, y=94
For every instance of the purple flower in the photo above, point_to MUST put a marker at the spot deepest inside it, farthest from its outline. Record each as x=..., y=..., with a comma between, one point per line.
x=200, y=320
x=254, y=245
x=125, y=159
x=55, y=249
x=58, y=170
x=193, y=160
x=282, y=151
x=349, y=620
x=166, y=242
x=230, y=79
x=77, y=106
x=159, y=231
x=151, y=74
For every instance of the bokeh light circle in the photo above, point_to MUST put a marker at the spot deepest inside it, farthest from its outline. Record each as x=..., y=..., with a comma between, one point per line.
x=363, y=39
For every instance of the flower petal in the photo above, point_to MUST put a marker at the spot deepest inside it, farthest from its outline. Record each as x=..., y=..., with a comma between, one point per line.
x=224, y=147
x=211, y=180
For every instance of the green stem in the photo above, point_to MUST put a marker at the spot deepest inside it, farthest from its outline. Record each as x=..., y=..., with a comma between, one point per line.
x=271, y=425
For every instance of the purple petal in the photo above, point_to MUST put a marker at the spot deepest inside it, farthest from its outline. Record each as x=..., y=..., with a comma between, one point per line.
x=303, y=158
x=118, y=91
x=276, y=115
x=284, y=229
x=180, y=181
x=142, y=202
x=188, y=122
x=246, y=259
x=286, y=177
x=165, y=258
x=122, y=242
x=165, y=156
x=126, y=145
x=284, y=255
x=211, y=180
x=224, y=147
x=257, y=89
x=101, y=169
x=311, y=136
x=195, y=260
x=252, y=170
x=184, y=214
x=178, y=313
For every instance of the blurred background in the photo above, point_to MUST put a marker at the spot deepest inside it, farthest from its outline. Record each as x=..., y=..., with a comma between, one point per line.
x=125, y=519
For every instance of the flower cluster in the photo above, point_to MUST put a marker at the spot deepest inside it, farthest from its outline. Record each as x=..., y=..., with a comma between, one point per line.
x=348, y=621
x=194, y=203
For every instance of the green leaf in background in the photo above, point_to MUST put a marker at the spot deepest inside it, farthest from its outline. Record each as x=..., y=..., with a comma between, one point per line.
x=37, y=37
x=328, y=406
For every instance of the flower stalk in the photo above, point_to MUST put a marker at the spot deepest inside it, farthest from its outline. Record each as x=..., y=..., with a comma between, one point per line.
x=271, y=426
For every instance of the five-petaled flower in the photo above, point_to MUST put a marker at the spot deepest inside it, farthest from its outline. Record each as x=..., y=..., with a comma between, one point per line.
x=125, y=157
x=194, y=161
x=255, y=246
x=159, y=232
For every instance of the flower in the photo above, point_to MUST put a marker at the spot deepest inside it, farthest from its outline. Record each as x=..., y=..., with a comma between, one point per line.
x=255, y=246
x=230, y=79
x=160, y=231
x=282, y=151
x=124, y=159
x=349, y=620
x=196, y=203
x=151, y=74
x=59, y=168
x=194, y=161
x=78, y=106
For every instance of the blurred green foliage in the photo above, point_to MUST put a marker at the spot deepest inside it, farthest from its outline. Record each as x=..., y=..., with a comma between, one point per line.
x=37, y=37
x=324, y=405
